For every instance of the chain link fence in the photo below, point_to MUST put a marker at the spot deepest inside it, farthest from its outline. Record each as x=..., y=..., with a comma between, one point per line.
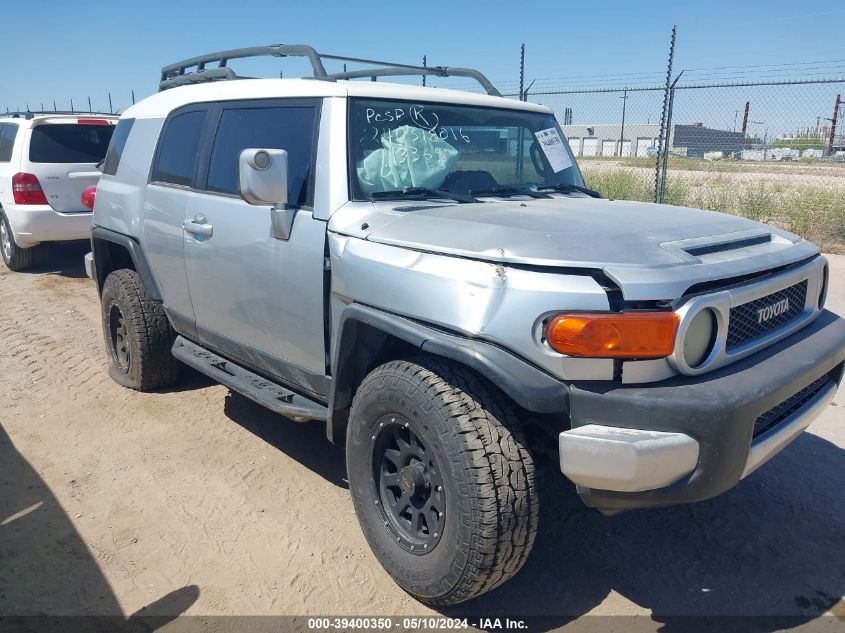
x=771, y=151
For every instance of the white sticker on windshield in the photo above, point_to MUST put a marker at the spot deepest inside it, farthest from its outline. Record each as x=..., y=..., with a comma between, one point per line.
x=554, y=149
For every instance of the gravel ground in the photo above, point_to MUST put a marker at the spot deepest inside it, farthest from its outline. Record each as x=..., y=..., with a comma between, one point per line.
x=196, y=500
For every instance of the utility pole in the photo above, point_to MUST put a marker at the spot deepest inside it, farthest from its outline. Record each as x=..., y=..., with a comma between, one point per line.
x=833, y=125
x=622, y=132
x=520, y=142
x=425, y=64
x=133, y=97
x=745, y=118
x=89, y=105
x=111, y=111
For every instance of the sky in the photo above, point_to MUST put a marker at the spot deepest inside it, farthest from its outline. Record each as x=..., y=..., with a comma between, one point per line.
x=62, y=50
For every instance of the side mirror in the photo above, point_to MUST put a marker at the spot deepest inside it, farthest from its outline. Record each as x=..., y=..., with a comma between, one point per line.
x=263, y=176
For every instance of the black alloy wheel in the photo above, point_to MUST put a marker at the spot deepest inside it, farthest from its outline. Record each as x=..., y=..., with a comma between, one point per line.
x=409, y=487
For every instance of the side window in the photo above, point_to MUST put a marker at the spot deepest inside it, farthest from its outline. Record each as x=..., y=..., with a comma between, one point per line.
x=178, y=148
x=8, y=131
x=118, y=142
x=287, y=128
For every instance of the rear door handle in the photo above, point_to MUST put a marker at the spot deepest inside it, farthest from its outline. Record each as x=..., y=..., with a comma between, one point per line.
x=198, y=226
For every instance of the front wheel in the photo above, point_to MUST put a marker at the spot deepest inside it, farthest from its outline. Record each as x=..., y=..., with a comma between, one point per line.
x=441, y=479
x=16, y=258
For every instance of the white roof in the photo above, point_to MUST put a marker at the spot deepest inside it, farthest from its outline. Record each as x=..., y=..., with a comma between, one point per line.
x=162, y=103
x=56, y=117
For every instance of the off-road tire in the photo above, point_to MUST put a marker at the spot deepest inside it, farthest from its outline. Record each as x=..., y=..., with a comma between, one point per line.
x=17, y=259
x=487, y=474
x=147, y=335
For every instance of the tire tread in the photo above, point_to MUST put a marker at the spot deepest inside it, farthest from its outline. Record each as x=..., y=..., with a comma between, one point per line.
x=503, y=497
x=155, y=366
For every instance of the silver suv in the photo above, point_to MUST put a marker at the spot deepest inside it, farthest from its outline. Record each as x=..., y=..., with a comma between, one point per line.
x=425, y=271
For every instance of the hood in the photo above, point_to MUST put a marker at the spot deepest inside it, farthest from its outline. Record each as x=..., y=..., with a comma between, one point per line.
x=652, y=251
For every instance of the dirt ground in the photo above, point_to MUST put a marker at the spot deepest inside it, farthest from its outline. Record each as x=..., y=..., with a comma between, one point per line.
x=196, y=500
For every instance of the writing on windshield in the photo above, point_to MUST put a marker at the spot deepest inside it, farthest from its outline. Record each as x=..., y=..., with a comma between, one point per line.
x=456, y=148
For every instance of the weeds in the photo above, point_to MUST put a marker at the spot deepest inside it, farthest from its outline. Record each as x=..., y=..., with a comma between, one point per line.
x=815, y=212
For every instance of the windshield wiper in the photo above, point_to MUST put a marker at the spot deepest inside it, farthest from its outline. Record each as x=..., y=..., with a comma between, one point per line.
x=569, y=189
x=423, y=192
x=508, y=190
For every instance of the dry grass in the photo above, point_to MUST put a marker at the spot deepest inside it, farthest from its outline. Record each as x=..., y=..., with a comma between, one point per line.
x=811, y=205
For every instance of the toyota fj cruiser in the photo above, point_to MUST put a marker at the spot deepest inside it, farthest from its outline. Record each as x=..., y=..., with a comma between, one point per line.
x=47, y=160
x=425, y=271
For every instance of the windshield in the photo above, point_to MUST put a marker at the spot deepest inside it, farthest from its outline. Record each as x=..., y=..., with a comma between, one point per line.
x=430, y=148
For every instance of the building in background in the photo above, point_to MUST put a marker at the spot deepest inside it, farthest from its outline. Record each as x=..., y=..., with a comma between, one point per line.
x=641, y=139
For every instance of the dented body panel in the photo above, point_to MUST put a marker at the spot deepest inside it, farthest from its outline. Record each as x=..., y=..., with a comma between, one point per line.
x=478, y=299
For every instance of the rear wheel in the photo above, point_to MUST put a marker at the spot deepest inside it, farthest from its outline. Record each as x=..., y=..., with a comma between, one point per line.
x=441, y=480
x=138, y=334
x=15, y=257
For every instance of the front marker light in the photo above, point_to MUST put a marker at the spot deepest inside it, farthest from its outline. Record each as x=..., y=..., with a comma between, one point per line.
x=614, y=335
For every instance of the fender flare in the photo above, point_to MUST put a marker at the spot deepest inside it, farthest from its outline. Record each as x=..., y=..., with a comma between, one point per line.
x=99, y=235
x=362, y=328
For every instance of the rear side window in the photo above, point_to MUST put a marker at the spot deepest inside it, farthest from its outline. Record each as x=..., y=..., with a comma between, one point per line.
x=7, y=141
x=177, y=152
x=287, y=128
x=118, y=142
x=69, y=143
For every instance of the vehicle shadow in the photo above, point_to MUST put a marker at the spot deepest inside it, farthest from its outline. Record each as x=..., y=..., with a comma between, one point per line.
x=189, y=380
x=60, y=258
x=303, y=441
x=47, y=573
x=772, y=548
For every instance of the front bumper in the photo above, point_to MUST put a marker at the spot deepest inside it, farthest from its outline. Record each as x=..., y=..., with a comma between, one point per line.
x=33, y=224
x=692, y=438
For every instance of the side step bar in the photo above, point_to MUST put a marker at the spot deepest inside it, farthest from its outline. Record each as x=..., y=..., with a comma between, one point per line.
x=263, y=391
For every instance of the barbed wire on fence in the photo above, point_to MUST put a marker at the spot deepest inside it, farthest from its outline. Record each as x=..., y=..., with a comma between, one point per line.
x=750, y=140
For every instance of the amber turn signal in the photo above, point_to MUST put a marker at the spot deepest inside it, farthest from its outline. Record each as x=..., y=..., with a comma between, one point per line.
x=614, y=335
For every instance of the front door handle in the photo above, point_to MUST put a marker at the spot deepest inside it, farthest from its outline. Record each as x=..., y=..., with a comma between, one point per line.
x=198, y=226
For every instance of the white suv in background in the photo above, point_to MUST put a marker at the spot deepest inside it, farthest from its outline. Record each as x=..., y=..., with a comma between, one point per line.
x=47, y=159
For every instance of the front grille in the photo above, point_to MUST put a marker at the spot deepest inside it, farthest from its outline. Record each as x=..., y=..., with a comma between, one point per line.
x=748, y=321
x=774, y=416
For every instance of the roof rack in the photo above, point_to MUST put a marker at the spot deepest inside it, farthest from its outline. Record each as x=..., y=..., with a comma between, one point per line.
x=29, y=114
x=178, y=74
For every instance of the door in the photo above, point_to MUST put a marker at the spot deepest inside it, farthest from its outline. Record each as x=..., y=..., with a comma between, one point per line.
x=575, y=146
x=591, y=146
x=626, y=148
x=643, y=145
x=166, y=205
x=258, y=298
x=64, y=156
x=608, y=148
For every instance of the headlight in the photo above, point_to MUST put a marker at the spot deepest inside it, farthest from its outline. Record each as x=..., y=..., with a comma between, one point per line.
x=700, y=338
